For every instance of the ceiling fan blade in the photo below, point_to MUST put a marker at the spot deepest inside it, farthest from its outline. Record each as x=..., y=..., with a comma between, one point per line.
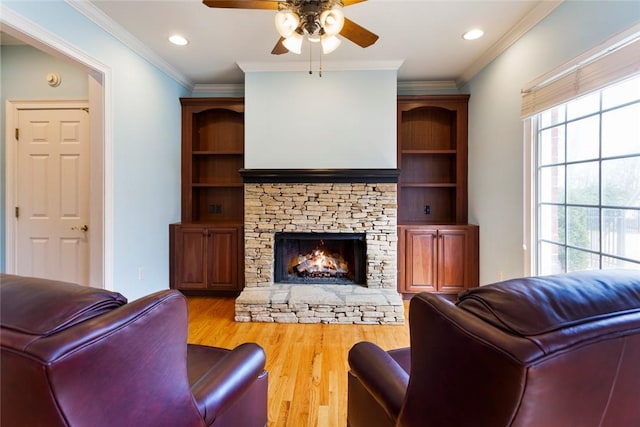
x=350, y=2
x=279, y=48
x=243, y=4
x=358, y=34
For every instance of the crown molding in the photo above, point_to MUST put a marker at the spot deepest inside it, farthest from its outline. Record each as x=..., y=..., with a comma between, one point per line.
x=219, y=89
x=101, y=19
x=249, y=66
x=530, y=20
x=425, y=86
x=405, y=86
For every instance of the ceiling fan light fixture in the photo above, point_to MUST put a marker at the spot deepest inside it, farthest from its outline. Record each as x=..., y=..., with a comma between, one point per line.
x=329, y=43
x=332, y=21
x=293, y=43
x=287, y=22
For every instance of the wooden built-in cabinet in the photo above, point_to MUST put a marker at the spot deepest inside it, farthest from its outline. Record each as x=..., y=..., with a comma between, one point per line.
x=438, y=249
x=210, y=257
x=206, y=247
x=439, y=258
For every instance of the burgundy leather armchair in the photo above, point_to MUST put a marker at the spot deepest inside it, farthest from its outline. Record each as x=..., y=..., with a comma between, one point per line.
x=79, y=356
x=560, y=350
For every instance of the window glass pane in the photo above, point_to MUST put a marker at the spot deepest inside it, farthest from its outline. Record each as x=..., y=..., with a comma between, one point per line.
x=552, y=184
x=551, y=143
x=621, y=131
x=583, y=106
x=551, y=259
x=582, y=183
x=621, y=182
x=552, y=223
x=552, y=116
x=622, y=93
x=618, y=263
x=583, y=227
x=583, y=139
x=578, y=260
x=588, y=181
x=621, y=233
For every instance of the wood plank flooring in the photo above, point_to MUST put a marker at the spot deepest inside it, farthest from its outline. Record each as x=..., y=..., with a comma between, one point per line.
x=307, y=364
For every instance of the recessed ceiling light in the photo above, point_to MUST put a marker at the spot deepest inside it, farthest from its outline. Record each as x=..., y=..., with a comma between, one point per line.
x=473, y=34
x=178, y=40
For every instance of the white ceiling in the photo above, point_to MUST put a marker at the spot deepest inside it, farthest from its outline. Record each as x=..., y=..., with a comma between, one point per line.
x=426, y=35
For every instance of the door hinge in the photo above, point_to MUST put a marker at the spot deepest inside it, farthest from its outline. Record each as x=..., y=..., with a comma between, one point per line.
x=17, y=212
x=17, y=134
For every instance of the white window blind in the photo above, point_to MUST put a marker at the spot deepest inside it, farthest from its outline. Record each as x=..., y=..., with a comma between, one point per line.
x=602, y=66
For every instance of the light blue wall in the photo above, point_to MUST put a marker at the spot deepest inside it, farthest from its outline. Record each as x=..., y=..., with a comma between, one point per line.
x=496, y=130
x=22, y=76
x=146, y=135
x=342, y=102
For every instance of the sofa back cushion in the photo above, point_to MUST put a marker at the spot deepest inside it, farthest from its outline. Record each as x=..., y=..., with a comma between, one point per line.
x=42, y=307
x=539, y=305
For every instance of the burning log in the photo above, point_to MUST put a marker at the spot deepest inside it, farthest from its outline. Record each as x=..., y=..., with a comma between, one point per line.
x=317, y=264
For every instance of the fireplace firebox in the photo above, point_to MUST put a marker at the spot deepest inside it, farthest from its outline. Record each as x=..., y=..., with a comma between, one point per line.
x=320, y=258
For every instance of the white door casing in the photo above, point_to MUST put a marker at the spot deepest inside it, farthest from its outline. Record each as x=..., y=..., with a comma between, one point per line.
x=52, y=193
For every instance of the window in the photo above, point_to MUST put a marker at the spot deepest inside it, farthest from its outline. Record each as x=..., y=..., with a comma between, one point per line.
x=587, y=181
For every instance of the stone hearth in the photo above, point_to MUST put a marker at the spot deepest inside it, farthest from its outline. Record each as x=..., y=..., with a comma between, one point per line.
x=321, y=207
x=335, y=304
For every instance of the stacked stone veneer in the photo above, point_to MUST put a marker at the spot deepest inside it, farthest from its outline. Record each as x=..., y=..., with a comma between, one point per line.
x=323, y=208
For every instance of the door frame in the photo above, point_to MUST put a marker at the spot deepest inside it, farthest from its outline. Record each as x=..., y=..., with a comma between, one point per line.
x=101, y=137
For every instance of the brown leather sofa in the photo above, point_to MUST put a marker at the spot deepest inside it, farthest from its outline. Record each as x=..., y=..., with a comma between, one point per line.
x=560, y=350
x=80, y=356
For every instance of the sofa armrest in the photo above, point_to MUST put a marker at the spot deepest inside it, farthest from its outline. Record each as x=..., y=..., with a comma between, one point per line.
x=228, y=379
x=381, y=376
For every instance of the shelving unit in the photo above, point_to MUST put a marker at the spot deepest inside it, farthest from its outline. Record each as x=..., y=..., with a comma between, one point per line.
x=206, y=247
x=212, y=155
x=432, y=153
x=438, y=250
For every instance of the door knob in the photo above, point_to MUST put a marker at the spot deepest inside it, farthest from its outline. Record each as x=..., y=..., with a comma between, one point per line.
x=83, y=228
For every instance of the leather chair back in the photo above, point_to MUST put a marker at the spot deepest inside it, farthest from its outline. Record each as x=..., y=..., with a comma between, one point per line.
x=545, y=351
x=551, y=351
x=79, y=356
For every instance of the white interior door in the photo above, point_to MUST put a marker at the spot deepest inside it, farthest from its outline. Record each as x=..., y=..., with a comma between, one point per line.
x=52, y=200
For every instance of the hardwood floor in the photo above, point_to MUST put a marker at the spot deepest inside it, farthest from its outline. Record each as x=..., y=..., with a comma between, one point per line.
x=307, y=364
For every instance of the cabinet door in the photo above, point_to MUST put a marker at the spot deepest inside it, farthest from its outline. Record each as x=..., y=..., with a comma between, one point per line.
x=420, y=260
x=222, y=265
x=190, y=258
x=452, y=260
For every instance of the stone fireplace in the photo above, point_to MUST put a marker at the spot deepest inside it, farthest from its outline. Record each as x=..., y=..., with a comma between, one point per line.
x=346, y=211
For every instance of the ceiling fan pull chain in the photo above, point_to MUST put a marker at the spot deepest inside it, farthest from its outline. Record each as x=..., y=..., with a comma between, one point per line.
x=310, y=62
x=320, y=69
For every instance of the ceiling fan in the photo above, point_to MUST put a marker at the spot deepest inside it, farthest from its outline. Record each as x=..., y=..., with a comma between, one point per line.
x=317, y=20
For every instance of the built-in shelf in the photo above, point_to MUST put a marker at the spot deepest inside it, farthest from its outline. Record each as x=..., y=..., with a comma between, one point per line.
x=438, y=250
x=432, y=144
x=206, y=248
x=429, y=152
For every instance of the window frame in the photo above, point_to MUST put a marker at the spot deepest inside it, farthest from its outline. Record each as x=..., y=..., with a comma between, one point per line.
x=566, y=204
x=614, y=60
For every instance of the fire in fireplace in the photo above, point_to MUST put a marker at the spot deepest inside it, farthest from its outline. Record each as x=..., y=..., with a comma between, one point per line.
x=320, y=258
